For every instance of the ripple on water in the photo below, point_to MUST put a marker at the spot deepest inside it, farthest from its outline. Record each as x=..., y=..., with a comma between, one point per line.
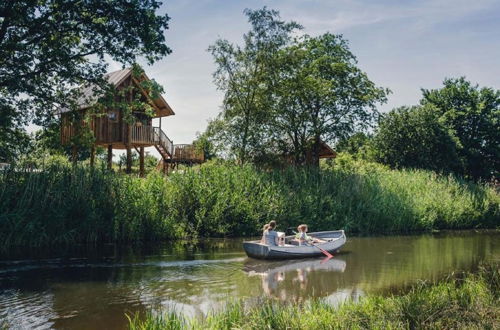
x=27, y=311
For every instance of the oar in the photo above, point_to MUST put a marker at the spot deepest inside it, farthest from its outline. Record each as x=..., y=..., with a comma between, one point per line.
x=325, y=252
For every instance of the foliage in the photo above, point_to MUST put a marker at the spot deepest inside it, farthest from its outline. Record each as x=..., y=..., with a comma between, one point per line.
x=468, y=301
x=356, y=144
x=473, y=115
x=204, y=143
x=48, y=46
x=284, y=93
x=245, y=74
x=67, y=205
x=13, y=138
x=320, y=94
x=414, y=137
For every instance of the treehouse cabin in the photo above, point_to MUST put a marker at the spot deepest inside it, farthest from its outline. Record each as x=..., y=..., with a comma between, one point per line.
x=112, y=131
x=324, y=151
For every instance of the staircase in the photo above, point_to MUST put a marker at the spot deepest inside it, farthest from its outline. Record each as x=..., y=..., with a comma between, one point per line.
x=163, y=144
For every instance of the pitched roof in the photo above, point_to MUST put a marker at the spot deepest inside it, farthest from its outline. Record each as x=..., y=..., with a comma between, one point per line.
x=116, y=78
x=325, y=151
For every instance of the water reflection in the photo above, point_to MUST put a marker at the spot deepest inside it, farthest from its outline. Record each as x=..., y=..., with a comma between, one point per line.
x=89, y=288
x=297, y=272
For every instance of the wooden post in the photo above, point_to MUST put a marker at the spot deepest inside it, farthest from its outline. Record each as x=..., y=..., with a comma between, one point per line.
x=74, y=154
x=129, y=160
x=110, y=156
x=141, y=162
x=92, y=156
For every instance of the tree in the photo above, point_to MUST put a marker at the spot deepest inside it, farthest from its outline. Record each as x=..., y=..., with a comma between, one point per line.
x=49, y=46
x=414, y=137
x=473, y=115
x=321, y=95
x=245, y=74
x=13, y=138
x=355, y=144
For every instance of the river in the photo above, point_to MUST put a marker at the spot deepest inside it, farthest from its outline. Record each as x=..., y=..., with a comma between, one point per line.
x=85, y=288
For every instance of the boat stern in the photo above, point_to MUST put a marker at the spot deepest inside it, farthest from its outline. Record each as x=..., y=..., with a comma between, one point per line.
x=256, y=250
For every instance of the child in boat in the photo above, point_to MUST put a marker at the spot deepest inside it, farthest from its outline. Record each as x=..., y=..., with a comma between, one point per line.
x=270, y=235
x=301, y=235
x=305, y=239
x=264, y=230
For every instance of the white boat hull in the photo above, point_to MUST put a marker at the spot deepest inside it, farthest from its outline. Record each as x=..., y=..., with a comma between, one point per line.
x=334, y=241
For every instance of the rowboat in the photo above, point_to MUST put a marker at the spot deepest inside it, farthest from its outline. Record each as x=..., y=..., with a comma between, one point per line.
x=334, y=240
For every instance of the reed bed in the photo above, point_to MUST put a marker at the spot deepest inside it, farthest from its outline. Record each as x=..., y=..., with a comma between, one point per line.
x=74, y=205
x=464, y=301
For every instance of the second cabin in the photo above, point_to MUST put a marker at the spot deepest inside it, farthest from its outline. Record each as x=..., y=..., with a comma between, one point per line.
x=111, y=130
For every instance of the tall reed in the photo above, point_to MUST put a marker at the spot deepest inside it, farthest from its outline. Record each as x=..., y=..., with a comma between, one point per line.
x=67, y=205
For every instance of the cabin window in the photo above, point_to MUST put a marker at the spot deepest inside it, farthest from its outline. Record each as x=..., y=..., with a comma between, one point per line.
x=113, y=116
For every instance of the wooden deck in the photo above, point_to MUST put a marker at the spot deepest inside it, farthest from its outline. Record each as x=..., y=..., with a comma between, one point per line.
x=138, y=135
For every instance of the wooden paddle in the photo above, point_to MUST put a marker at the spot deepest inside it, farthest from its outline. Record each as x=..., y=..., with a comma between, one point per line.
x=325, y=252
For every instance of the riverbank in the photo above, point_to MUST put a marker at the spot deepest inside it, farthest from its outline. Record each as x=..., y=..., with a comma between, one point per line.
x=470, y=300
x=61, y=205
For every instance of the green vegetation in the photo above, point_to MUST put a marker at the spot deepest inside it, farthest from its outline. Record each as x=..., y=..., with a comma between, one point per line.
x=286, y=91
x=65, y=205
x=454, y=130
x=50, y=45
x=469, y=301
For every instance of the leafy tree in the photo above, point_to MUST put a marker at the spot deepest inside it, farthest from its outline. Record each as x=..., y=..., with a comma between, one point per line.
x=47, y=46
x=355, y=145
x=414, y=137
x=13, y=138
x=245, y=74
x=473, y=115
x=204, y=143
x=321, y=95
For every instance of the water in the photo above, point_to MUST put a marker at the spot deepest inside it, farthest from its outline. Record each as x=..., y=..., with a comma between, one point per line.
x=94, y=288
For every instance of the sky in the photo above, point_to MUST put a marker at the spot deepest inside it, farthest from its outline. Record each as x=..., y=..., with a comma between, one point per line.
x=403, y=45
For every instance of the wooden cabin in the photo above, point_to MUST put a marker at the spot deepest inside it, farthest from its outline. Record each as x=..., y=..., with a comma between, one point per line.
x=324, y=152
x=111, y=131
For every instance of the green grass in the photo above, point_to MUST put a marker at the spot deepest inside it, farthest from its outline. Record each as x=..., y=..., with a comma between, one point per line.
x=71, y=205
x=470, y=301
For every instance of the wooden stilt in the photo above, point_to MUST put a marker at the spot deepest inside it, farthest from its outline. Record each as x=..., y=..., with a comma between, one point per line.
x=110, y=157
x=74, y=154
x=129, y=160
x=141, y=162
x=92, y=156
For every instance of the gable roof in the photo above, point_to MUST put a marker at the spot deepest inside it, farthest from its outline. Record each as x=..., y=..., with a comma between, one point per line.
x=116, y=78
x=325, y=151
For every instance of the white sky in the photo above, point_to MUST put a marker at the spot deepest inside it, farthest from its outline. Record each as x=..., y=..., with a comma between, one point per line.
x=404, y=45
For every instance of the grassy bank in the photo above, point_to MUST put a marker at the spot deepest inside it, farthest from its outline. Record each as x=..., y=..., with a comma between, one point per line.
x=471, y=301
x=65, y=205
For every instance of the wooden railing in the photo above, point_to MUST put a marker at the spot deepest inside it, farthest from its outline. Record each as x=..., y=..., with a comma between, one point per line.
x=188, y=152
x=143, y=134
x=162, y=139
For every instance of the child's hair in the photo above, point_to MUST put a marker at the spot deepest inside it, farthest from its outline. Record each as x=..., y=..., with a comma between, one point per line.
x=302, y=227
x=272, y=224
x=266, y=226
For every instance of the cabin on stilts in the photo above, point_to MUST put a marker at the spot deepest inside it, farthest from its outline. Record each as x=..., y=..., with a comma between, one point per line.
x=112, y=131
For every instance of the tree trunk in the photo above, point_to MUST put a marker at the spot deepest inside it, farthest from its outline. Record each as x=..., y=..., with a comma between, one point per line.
x=74, y=155
x=141, y=162
x=314, y=161
x=110, y=156
x=128, y=169
x=92, y=156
